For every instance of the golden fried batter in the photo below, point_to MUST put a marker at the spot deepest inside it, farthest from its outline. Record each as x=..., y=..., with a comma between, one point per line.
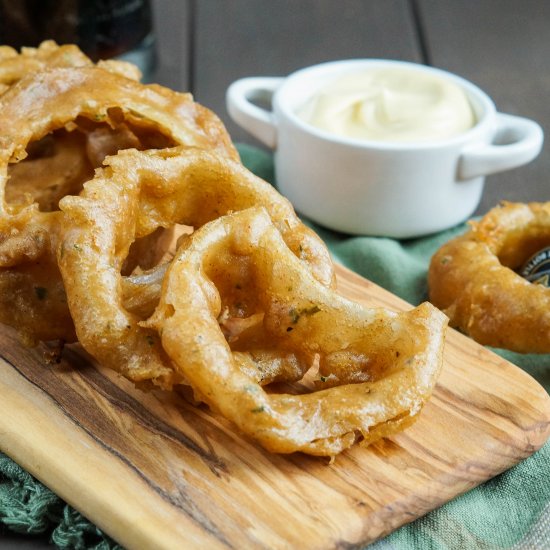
x=100, y=175
x=473, y=279
x=57, y=167
x=45, y=102
x=136, y=193
x=396, y=357
x=14, y=66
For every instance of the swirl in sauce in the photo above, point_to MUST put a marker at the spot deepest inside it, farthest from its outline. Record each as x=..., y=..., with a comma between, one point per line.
x=390, y=104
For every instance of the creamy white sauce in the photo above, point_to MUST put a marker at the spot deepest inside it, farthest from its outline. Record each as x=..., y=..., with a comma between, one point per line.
x=390, y=104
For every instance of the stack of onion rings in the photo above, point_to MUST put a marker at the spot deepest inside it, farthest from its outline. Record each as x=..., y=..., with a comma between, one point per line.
x=248, y=299
x=33, y=108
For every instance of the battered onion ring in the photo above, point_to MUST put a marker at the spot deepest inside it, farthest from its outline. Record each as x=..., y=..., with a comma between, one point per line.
x=43, y=102
x=399, y=355
x=472, y=279
x=46, y=178
x=136, y=193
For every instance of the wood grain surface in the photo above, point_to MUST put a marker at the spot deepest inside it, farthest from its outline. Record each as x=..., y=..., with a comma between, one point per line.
x=155, y=472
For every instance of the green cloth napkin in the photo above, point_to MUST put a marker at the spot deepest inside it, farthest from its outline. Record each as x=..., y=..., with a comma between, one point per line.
x=510, y=511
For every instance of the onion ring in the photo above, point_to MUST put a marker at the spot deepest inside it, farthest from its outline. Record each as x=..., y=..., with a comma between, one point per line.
x=131, y=197
x=55, y=98
x=194, y=186
x=472, y=278
x=398, y=355
x=32, y=295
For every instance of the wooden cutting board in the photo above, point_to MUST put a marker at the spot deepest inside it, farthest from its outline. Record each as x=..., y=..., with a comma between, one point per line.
x=155, y=472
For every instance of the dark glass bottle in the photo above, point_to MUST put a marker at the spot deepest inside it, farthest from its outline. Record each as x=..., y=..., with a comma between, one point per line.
x=102, y=28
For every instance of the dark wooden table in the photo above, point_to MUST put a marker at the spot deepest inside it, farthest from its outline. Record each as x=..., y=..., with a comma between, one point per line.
x=501, y=45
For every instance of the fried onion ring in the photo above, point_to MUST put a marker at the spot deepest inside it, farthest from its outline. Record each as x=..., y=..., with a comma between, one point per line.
x=398, y=356
x=473, y=279
x=43, y=102
x=134, y=194
x=32, y=295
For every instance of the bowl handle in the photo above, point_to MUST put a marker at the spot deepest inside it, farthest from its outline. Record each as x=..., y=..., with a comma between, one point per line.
x=517, y=141
x=254, y=119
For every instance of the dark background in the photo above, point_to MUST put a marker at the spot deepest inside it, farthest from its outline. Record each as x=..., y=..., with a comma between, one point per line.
x=503, y=46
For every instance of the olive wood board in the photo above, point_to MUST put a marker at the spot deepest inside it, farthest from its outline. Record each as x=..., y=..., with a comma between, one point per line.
x=153, y=471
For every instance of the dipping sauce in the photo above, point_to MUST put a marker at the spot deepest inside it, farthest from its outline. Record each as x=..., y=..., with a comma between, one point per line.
x=390, y=104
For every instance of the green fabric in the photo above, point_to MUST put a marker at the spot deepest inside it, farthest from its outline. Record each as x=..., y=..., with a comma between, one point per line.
x=27, y=507
x=510, y=511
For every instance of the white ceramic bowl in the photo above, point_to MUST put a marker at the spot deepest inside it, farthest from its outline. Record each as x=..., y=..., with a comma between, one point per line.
x=389, y=189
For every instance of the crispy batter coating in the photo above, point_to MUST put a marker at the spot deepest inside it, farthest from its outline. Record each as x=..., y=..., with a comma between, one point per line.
x=41, y=103
x=192, y=186
x=14, y=66
x=58, y=163
x=32, y=294
x=473, y=279
x=131, y=197
x=45, y=101
x=392, y=360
